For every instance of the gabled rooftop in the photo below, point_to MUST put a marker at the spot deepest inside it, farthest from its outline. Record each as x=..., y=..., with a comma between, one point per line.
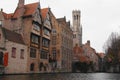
x=44, y=12
x=12, y=36
x=29, y=10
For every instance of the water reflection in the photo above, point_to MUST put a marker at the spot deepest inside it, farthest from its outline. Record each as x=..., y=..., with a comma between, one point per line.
x=64, y=76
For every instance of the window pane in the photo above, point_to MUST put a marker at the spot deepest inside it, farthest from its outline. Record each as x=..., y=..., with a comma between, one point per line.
x=35, y=39
x=13, y=52
x=32, y=52
x=44, y=55
x=46, y=32
x=22, y=54
x=36, y=27
x=54, y=54
x=45, y=43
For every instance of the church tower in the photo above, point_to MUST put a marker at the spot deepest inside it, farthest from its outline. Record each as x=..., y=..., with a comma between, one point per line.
x=77, y=28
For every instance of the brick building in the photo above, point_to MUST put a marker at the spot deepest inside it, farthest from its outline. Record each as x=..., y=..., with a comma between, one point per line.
x=92, y=55
x=44, y=37
x=66, y=44
x=27, y=21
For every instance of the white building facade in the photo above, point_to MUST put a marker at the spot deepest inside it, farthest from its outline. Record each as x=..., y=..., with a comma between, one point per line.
x=14, y=52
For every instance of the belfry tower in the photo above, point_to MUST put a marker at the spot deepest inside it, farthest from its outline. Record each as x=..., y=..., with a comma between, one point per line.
x=77, y=28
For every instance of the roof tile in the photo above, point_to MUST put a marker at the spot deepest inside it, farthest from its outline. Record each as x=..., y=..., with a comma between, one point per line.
x=29, y=10
x=13, y=36
x=44, y=12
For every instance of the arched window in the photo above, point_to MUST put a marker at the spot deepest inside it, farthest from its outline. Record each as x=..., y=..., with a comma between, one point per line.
x=77, y=17
x=41, y=65
x=74, y=17
x=32, y=67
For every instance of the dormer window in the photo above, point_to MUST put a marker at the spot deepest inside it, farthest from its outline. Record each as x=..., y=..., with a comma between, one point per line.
x=34, y=39
x=47, y=22
x=46, y=32
x=36, y=27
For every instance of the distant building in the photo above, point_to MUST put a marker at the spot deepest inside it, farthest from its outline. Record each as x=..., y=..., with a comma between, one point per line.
x=77, y=28
x=92, y=55
x=66, y=44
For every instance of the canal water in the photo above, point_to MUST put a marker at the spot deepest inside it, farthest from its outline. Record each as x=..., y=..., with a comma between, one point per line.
x=64, y=76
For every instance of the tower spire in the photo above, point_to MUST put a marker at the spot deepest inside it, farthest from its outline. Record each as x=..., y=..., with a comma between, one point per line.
x=21, y=3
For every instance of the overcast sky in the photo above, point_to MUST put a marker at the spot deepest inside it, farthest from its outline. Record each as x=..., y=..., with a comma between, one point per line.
x=98, y=17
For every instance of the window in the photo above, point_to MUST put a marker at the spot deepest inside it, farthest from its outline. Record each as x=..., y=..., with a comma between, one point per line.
x=32, y=67
x=53, y=31
x=41, y=65
x=45, y=43
x=77, y=17
x=36, y=27
x=13, y=52
x=32, y=52
x=53, y=40
x=35, y=39
x=46, y=32
x=22, y=54
x=47, y=22
x=54, y=54
x=74, y=17
x=44, y=55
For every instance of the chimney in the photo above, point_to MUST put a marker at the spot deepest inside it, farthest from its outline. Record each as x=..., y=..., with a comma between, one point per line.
x=88, y=42
x=21, y=3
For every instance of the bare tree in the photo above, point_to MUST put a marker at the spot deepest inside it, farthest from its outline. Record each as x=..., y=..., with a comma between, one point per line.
x=112, y=47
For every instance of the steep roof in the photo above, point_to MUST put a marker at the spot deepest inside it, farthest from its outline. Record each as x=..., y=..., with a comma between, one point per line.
x=61, y=19
x=7, y=16
x=44, y=12
x=13, y=36
x=29, y=9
